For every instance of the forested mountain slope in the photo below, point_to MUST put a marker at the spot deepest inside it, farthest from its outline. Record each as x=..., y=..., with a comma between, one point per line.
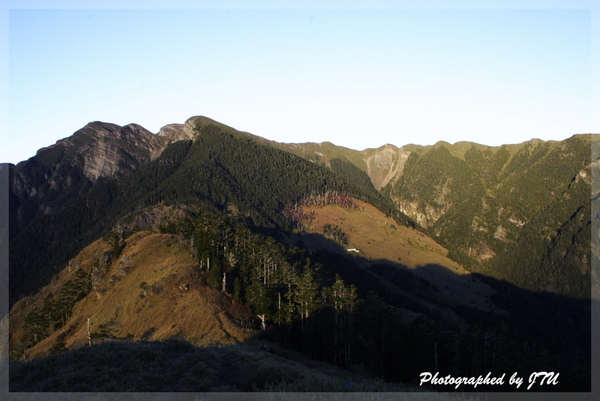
x=505, y=211
x=445, y=256
x=218, y=167
x=206, y=277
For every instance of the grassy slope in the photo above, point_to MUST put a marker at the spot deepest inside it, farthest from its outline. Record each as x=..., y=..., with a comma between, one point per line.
x=380, y=237
x=381, y=240
x=152, y=291
x=176, y=365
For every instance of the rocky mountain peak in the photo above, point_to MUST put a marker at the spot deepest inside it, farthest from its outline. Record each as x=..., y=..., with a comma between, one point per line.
x=106, y=148
x=99, y=149
x=171, y=132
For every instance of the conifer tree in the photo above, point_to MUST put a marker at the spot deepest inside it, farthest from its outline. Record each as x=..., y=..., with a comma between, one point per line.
x=306, y=295
x=259, y=298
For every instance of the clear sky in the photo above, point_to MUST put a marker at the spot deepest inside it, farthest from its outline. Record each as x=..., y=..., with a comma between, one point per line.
x=380, y=72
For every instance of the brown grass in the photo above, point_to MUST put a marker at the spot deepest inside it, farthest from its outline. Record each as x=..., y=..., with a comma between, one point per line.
x=153, y=291
x=380, y=238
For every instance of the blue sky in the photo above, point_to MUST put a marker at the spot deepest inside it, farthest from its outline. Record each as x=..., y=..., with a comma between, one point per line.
x=378, y=72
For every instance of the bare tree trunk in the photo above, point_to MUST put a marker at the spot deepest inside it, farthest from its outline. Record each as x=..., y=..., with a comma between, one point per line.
x=262, y=322
x=89, y=332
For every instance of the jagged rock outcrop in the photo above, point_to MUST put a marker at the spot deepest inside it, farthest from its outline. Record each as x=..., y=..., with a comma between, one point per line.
x=172, y=132
x=111, y=149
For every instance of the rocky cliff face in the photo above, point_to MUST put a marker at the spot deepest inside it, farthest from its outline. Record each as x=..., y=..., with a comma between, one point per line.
x=171, y=132
x=382, y=165
x=385, y=164
x=111, y=149
x=73, y=164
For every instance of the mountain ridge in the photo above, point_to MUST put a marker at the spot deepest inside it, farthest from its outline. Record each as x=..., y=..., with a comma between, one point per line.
x=318, y=152
x=323, y=248
x=71, y=167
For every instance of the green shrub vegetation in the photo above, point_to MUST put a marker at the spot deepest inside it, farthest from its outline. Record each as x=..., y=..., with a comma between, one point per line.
x=56, y=310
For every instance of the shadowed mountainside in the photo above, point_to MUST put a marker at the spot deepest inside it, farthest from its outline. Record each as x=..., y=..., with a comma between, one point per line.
x=459, y=258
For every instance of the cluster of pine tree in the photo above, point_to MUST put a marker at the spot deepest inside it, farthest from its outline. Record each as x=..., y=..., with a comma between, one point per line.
x=313, y=309
x=281, y=284
x=286, y=291
x=298, y=216
x=334, y=232
x=329, y=198
x=55, y=310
